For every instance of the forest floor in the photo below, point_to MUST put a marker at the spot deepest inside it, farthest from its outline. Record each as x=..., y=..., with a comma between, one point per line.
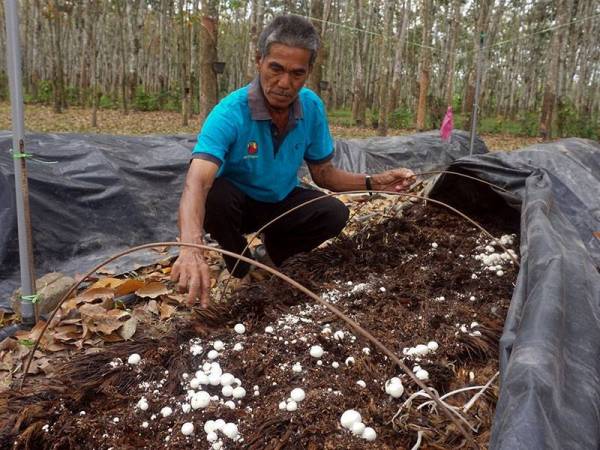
x=40, y=118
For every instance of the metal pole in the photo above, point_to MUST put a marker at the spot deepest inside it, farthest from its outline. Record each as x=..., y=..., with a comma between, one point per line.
x=477, y=87
x=21, y=187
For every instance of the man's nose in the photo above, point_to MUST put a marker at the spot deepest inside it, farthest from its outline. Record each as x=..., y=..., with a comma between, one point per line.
x=285, y=80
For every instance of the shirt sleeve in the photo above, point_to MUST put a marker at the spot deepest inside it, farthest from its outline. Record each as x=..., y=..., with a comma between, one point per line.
x=217, y=135
x=320, y=148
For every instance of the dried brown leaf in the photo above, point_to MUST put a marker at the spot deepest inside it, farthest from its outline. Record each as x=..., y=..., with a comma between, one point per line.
x=113, y=337
x=45, y=366
x=100, y=296
x=166, y=310
x=128, y=329
x=152, y=306
x=128, y=286
x=66, y=333
x=5, y=381
x=55, y=347
x=152, y=290
x=98, y=319
x=95, y=295
x=75, y=321
x=108, y=282
x=177, y=298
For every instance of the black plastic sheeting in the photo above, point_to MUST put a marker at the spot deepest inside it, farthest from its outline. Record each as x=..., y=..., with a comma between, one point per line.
x=550, y=347
x=94, y=195
x=420, y=152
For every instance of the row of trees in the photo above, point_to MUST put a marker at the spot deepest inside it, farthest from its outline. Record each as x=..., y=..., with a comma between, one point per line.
x=381, y=59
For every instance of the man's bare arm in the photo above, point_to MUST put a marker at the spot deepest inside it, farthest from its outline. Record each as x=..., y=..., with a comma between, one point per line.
x=327, y=176
x=190, y=271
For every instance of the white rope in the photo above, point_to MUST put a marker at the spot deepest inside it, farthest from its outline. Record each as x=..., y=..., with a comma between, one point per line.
x=479, y=394
x=418, y=443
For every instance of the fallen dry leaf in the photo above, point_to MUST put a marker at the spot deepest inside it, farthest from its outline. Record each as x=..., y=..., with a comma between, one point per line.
x=166, y=310
x=74, y=321
x=179, y=298
x=66, y=333
x=152, y=306
x=113, y=337
x=30, y=336
x=110, y=283
x=96, y=295
x=128, y=286
x=128, y=328
x=55, y=347
x=36, y=331
x=5, y=381
x=102, y=296
x=45, y=366
x=97, y=319
x=152, y=290
x=597, y=234
x=142, y=315
x=34, y=368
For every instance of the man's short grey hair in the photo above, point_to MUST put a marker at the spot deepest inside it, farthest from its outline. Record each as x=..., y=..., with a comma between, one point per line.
x=293, y=31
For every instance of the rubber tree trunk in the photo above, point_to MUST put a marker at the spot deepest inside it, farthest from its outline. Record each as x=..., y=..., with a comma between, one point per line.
x=482, y=27
x=208, y=55
x=398, y=58
x=449, y=88
x=425, y=66
x=256, y=26
x=358, y=99
x=385, y=59
x=316, y=74
x=183, y=40
x=552, y=71
x=57, y=59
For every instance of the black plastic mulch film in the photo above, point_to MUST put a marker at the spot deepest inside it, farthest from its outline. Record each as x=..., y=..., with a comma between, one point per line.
x=97, y=194
x=105, y=193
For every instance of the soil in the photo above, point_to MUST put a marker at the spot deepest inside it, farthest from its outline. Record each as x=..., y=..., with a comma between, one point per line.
x=388, y=277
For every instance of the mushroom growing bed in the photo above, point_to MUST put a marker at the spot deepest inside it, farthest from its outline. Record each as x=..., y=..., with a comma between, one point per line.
x=276, y=370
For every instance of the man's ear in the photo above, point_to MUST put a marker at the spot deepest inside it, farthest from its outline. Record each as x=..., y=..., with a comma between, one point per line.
x=257, y=59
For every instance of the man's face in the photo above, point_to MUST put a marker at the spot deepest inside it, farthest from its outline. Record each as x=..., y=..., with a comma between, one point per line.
x=282, y=73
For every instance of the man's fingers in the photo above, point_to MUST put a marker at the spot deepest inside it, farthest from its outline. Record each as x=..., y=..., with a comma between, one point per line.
x=183, y=282
x=192, y=276
x=205, y=279
x=194, y=290
x=175, y=272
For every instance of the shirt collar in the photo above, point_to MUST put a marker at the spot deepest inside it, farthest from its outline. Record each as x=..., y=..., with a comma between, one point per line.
x=258, y=103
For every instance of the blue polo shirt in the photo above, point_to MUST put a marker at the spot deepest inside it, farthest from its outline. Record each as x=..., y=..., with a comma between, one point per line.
x=239, y=136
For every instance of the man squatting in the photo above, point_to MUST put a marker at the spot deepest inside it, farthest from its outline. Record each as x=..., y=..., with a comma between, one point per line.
x=244, y=166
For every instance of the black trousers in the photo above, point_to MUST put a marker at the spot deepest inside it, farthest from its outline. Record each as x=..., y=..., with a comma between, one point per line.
x=230, y=213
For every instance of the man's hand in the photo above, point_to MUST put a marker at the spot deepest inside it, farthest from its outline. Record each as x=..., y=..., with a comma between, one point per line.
x=191, y=273
x=395, y=180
